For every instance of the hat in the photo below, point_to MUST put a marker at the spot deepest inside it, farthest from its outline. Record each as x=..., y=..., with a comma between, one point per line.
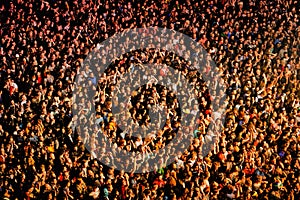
x=208, y=112
x=255, y=194
x=186, y=111
x=105, y=191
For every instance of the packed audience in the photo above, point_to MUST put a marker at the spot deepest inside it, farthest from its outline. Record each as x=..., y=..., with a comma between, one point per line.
x=255, y=45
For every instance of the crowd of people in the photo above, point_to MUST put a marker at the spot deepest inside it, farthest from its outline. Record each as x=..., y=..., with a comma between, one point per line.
x=255, y=46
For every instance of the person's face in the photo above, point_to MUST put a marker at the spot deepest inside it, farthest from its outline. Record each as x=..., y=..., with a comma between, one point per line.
x=223, y=149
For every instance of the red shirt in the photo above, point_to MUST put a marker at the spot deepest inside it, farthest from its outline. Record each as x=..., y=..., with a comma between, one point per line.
x=158, y=182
